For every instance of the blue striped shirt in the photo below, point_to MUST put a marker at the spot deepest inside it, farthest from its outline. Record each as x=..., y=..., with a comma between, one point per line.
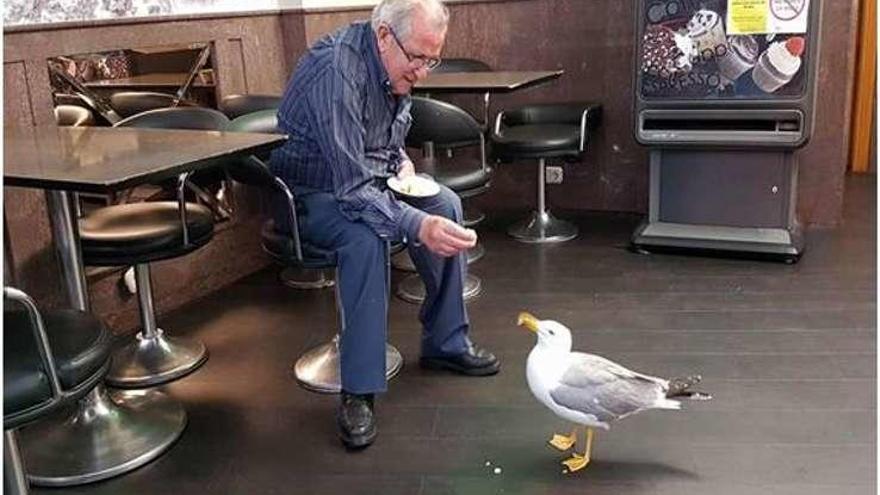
x=347, y=131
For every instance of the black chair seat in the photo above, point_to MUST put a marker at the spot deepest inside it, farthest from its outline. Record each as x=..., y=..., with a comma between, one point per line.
x=130, y=103
x=462, y=181
x=537, y=141
x=81, y=347
x=280, y=245
x=235, y=106
x=137, y=233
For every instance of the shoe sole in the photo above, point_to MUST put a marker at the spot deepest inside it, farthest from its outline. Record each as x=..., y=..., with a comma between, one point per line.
x=435, y=364
x=358, y=443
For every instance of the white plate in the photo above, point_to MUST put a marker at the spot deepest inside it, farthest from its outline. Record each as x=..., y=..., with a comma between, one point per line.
x=414, y=186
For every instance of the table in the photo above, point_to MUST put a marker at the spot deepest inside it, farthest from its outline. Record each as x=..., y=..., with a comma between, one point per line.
x=495, y=81
x=171, y=80
x=103, y=160
x=485, y=82
x=110, y=432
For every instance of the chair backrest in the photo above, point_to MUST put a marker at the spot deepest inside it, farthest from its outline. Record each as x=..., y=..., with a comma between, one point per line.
x=253, y=171
x=550, y=113
x=191, y=118
x=235, y=106
x=128, y=103
x=462, y=65
x=73, y=116
x=37, y=330
x=441, y=123
x=263, y=121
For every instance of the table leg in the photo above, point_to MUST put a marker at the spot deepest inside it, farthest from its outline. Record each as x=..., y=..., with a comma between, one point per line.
x=65, y=234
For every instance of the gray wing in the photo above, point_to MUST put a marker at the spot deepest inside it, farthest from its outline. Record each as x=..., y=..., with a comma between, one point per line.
x=597, y=386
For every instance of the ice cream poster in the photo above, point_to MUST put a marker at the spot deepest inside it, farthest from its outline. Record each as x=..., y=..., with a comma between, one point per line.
x=688, y=51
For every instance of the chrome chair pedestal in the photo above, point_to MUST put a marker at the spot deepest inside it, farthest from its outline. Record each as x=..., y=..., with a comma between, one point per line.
x=542, y=227
x=14, y=481
x=472, y=216
x=475, y=253
x=153, y=360
x=108, y=434
x=300, y=278
x=318, y=369
x=412, y=290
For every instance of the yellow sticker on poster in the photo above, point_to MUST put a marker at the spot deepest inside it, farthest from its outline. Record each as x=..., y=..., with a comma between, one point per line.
x=767, y=16
x=747, y=16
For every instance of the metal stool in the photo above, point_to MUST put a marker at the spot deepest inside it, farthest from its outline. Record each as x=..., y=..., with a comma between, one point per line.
x=72, y=431
x=542, y=132
x=258, y=114
x=318, y=369
x=438, y=124
x=140, y=233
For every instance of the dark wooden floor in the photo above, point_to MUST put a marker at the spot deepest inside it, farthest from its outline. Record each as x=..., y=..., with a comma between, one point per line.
x=788, y=352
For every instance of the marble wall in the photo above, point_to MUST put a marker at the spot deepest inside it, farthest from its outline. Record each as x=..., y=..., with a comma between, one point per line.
x=18, y=12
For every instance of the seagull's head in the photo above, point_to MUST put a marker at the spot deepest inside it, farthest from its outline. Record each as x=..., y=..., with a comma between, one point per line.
x=552, y=335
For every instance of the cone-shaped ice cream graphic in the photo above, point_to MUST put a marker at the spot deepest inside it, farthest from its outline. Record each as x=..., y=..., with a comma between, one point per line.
x=778, y=64
x=706, y=29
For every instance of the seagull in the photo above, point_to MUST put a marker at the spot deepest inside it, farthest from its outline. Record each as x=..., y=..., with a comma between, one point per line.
x=590, y=390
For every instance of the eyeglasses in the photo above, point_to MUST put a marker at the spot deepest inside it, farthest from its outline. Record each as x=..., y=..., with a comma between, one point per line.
x=417, y=61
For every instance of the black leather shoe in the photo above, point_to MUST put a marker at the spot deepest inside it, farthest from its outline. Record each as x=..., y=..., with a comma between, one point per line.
x=357, y=423
x=474, y=362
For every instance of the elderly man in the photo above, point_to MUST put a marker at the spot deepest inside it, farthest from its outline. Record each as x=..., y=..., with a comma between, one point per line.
x=347, y=111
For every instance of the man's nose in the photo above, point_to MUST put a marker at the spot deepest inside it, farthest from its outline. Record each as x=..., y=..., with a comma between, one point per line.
x=421, y=73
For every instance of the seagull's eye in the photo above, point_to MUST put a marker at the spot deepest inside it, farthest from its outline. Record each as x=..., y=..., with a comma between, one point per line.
x=552, y=332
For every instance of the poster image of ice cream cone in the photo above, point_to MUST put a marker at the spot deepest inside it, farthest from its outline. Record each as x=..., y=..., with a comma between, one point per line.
x=779, y=64
x=706, y=30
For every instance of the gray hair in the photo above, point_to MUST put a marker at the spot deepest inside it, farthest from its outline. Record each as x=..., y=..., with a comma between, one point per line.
x=398, y=15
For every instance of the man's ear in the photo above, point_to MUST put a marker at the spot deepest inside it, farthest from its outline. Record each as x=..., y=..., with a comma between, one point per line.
x=383, y=38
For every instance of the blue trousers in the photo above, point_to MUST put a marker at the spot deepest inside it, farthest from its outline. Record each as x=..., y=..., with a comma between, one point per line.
x=363, y=275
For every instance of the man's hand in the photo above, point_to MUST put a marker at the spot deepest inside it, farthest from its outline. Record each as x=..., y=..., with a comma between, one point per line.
x=407, y=169
x=445, y=237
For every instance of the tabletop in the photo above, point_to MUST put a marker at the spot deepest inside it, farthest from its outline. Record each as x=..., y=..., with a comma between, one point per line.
x=105, y=159
x=169, y=79
x=496, y=81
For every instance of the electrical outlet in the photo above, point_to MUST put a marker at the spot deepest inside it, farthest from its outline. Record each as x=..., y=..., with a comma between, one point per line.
x=553, y=175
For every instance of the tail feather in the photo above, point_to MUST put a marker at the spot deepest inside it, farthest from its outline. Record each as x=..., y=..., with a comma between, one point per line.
x=680, y=388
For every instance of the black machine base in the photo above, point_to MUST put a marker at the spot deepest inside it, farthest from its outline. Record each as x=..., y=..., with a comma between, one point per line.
x=747, y=242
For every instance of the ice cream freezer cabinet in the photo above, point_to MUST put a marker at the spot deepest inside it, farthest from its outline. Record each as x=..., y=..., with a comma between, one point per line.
x=724, y=98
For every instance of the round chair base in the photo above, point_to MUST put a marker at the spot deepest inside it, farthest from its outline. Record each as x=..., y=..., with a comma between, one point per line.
x=401, y=261
x=472, y=216
x=297, y=278
x=109, y=434
x=151, y=361
x=475, y=253
x=318, y=369
x=543, y=227
x=412, y=290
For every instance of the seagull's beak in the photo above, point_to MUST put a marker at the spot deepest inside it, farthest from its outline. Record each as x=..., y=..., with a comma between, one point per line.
x=527, y=320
